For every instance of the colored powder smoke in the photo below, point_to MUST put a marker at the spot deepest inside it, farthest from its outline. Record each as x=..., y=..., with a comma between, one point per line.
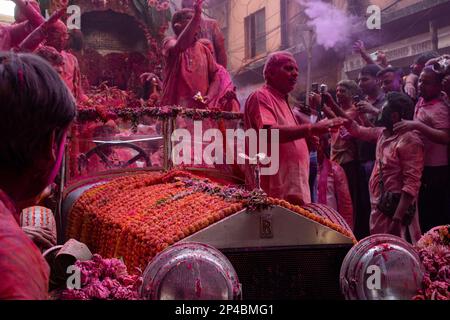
x=333, y=26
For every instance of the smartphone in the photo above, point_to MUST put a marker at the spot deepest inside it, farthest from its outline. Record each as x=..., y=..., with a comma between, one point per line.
x=315, y=87
x=374, y=56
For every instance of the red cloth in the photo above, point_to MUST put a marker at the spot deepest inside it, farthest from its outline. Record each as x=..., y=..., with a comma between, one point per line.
x=333, y=190
x=266, y=108
x=24, y=273
x=187, y=73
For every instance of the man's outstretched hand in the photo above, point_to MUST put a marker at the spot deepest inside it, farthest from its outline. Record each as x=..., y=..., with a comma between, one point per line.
x=328, y=125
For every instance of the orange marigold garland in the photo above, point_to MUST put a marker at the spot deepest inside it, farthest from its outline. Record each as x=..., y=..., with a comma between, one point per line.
x=135, y=217
x=313, y=216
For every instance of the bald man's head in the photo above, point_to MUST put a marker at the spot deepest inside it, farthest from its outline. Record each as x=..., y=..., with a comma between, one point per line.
x=281, y=71
x=275, y=60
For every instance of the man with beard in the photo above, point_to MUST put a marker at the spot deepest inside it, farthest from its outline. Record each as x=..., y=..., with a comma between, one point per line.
x=395, y=180
x=268, y=108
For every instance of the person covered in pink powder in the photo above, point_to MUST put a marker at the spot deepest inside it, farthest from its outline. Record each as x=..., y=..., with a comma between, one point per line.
x=268, y=108
x=57, y=37
x=331, y=184
x=222, y=92
x=432, y=122
x=210, y=29
x=35, y=114
x=28, y=18
x=190, y=66
x=396, y=178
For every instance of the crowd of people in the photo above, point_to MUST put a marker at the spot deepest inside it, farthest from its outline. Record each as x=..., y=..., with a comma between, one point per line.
x=377, y=151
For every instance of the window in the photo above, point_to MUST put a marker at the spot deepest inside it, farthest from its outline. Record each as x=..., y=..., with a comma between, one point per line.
x=255, y=34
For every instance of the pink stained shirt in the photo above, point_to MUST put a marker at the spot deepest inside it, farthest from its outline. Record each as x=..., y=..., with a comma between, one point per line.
x=435, y=114
x=24, y=272
x=402, y=160
x=12, y=35
x=266, y=108
x=187, y=73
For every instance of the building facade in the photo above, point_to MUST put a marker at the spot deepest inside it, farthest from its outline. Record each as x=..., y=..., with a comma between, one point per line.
x=256, y=28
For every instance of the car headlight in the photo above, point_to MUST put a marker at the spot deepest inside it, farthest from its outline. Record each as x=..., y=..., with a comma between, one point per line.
x=190, y=271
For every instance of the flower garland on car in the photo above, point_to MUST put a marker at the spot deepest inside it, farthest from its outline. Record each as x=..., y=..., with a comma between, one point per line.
x=135, y=217
x=434, y=252
x=107, y=103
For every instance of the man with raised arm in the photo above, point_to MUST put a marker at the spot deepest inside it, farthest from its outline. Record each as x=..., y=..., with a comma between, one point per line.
x=190, y=67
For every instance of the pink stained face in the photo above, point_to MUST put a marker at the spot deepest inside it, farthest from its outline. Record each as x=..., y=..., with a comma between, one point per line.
x=284, y=78
x=390, y=82
x=342, y=95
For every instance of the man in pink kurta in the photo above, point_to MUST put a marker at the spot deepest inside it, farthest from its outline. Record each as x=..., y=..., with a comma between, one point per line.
x=190, y=66
x=268, y=108
x=399, y=164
